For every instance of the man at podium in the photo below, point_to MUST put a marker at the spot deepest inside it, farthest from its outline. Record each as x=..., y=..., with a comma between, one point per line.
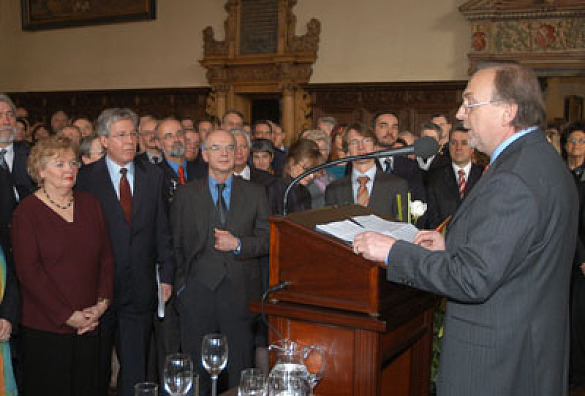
x=506, y=260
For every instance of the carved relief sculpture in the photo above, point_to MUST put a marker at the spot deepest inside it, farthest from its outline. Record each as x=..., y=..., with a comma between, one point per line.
x=545, y=34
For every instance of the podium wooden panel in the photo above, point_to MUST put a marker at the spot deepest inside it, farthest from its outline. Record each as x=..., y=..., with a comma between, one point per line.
x=378, y=335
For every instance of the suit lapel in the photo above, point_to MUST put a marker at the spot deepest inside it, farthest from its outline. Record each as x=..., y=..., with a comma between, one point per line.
x=346, y=191
x=140, y=183
x=377, y=197
x=237, y=204
x=451, y=186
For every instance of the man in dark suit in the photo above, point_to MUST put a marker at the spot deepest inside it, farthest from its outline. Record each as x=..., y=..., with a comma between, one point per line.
x=177, y=170
x=450, y=184
x=147, y=140
x=367, y=185
x=132, y=200
x=219, y=230
x=242, y=167
x=385, y=124
x=438, y=160
x=506, y=261
x=15, y=185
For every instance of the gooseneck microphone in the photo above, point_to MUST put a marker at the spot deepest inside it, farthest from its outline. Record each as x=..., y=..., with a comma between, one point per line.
x=424, y=147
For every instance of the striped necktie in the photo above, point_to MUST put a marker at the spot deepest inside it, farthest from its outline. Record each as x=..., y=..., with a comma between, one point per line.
x=363, y=197
x=461, y=182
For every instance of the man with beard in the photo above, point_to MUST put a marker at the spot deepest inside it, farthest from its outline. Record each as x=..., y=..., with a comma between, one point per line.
x=505, y=262
x=170, y=138
x=386, y=129
x=15, y=185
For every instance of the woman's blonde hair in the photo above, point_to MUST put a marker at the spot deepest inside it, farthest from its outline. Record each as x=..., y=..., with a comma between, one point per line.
x=44, y=150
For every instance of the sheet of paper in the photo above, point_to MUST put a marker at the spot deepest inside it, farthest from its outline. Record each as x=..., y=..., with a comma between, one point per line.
x=160, y=311
x=346, y=230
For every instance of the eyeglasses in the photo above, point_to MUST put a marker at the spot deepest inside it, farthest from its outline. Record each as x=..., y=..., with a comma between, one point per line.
x=122, y=135
x=178, y=134
x=576, y=140
x=217, y=147
x=356, y=142
x=467, y=106
x=8, y=114
x=61, y=164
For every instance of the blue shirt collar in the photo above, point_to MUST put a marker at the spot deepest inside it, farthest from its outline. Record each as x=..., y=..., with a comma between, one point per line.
x=175, y=166
x=509, y=141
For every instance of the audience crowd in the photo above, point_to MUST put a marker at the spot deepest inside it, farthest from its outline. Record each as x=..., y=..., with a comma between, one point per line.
x=97, y=215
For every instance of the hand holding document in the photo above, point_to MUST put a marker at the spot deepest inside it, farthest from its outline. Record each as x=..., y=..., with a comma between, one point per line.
x=346, y=230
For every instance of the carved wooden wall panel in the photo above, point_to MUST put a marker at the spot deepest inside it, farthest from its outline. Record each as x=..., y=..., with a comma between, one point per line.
x=180, y=102
x=546, y=35
x=415, y=103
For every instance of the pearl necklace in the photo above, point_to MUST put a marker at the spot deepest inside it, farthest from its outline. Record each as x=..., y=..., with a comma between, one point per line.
x=55, y=203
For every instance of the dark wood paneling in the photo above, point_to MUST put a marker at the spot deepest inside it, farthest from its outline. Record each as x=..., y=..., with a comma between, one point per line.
x=415, y=102
x=180, y=102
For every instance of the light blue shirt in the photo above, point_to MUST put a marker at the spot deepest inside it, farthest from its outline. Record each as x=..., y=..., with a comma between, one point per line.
x=227, y=191
x=509, y=141
x=175, y=166
x=115, y=174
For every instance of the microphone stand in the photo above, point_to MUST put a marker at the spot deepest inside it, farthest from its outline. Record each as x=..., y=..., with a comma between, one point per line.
x=374, y=154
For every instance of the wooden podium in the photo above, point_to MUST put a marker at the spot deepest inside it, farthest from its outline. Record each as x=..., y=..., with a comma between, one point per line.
x=378, y=335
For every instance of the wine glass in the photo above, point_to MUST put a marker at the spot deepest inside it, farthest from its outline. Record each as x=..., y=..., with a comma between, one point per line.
x=214, y=356
x=252, y=383
x=146, y=389
x=178, y=374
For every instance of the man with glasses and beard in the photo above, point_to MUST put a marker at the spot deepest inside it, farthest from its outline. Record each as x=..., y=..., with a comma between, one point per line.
x=170, y=138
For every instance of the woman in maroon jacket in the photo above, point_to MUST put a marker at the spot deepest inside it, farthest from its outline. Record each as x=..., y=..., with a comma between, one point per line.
x=64, y=264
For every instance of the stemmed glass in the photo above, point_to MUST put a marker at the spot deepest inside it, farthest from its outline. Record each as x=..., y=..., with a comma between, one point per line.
x=214, y=356
x=178, y=374
x=252, y=383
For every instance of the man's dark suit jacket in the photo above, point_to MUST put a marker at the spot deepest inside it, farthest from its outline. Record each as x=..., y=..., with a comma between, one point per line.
x=22, y=181
x=443, y=193
x=406, y=169
x=382, y=199
x=18, y=178
x=171, y=179
x=506, y=272
x=139, y=247
x=191, y=212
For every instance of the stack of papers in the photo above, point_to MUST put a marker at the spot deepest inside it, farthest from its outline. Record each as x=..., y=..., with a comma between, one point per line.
x=347, y=229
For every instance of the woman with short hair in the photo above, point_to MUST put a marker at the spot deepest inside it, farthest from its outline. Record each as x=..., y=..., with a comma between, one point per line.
x=64, y=263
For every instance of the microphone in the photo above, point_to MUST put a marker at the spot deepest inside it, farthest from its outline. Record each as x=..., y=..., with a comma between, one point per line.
x=424, y=147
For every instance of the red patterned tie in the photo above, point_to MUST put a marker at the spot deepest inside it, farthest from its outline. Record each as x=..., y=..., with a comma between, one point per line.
x=125, y=196
x=363, y=197
x=461, y=183
x=181, y=172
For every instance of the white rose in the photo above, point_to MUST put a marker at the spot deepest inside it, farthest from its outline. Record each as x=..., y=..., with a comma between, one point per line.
x=417, y=208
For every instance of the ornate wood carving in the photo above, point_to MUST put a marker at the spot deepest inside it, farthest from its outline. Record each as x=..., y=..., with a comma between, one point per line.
x=248, y=65
x=547, y=35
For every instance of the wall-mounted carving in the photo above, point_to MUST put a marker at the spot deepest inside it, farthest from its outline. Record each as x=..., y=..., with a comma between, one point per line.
x=252, y=64
x=547, y=35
